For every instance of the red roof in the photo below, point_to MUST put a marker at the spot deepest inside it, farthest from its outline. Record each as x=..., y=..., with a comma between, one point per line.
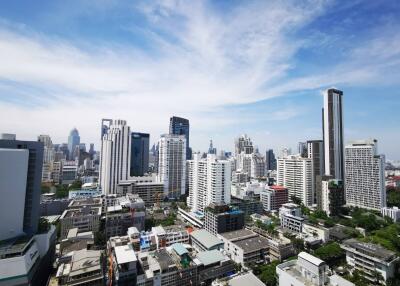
x=278, y=188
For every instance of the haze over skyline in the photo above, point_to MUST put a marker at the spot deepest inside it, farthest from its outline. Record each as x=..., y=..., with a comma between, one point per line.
x=230, y=67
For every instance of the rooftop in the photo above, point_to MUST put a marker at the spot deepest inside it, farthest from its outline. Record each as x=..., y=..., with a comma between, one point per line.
x=179, y=249
x=370, y=249
x=252, y=244
x=238, y=234
x=125, y=254
x=205, y=238
x=248, y=279
x=210, y=257
x=310, y=258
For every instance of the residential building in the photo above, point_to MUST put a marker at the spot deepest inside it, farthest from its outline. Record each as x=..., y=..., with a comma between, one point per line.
x=73, y=140
x=202, y=240
x=115, y=156
x=69, y=172
x=165, y=236
x=27, y=163
x=333, y=133
x=139, y=154
x=146, y=187
x=370, y=259
x=257, y=166
x=393, y=213
x=172, y=164
x=221, y=218
x=209, y=182
x=365, y=179
x=296, y=174
x=291, y=219
x=273, y=197
x=244, y=246
x=330, y=195
x=124, y=262
x=181, y=126
x=308, y=270
x=48, y=151
x=315, y=152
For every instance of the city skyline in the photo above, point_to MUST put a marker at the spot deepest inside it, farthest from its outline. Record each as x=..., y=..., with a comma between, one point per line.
x=143, y=63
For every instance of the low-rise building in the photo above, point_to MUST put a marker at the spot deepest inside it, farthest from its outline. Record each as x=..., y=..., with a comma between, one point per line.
x=202, y=240
x=261, y=218
x=308, y=270
x=273, y=197
x=168, y=235
x=194, y=218
x=291, y=219
x=146, y=187
x=248, y=205
x=247, y=278
x=370, y=259
x=316, y=231
x=222, y=218
x=244, y=246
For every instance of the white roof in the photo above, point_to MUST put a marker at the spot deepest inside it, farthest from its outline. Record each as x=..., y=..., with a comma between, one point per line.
x=310, y=258
x=124, y=254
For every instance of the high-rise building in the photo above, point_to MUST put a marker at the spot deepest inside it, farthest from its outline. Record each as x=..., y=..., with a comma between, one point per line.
x=257, y=166
x=73, y=140
x=296, y=174
x=209, y=182
x=243, y=144
x=333, y=133
x=365, y=175
x=315, y=152
x=172, y=164
x=270, y=161
x=48, y=152
x=180, y=126
x=220, y=218
x=211, y=148
x=115, y=156
x=330, y=195
x=31, y=172
x=302, y=149
x=139, y=153
x=273, y=197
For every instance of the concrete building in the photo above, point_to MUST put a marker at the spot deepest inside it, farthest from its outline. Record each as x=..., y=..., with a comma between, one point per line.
x=244, y=246
x=181, y=126
x=247, y=278
x=330, y=195
x=296, y=174
x=115, y=156
x=333, y=133
x=139, y=154
x=222, y=218
x=82, y=214
x=73, y=140
x=270, y=160
x=69, y=172
x=146, y=187
x=27, y=166
x=365, y=179
x=172, y=164
x=291, y=219
x=315, y=152
x=165, y=236
x=370, y=259
x=209, y=182
x=243, y=144
x=202, y=240
x=308, y=270
x=273, y=197
x=393, y=213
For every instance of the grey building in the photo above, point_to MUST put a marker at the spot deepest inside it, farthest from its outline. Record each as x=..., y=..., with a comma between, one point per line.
x=73, y=140
x=270, y=160
x=139, y=153
x=180, y=126
x=315, y=152
x=33, y=180
x=222, y=218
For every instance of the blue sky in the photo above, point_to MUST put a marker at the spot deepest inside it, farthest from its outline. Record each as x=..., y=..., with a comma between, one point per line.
x=231, y=67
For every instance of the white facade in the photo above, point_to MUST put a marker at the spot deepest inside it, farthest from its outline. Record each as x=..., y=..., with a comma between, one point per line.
x=393, y=213
x=365, y=179
x=296, y=174
x=172, y=164
x=13, y=171
x=115, y=156
x=209, y=182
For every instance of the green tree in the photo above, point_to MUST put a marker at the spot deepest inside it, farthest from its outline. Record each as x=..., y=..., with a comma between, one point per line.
x=62, y=191
x=100, y=238
x=43, y=225
x=332, y=253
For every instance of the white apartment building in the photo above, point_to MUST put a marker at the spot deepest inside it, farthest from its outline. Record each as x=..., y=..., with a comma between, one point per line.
x=296, y=174
x=115, y=156
x=172, y=164
x=393, y=213
x=291, y=219
x=209, y=182
x=365, y=178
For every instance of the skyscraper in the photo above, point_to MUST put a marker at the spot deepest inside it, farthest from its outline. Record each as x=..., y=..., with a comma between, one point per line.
x=139, y=153
x=333, y=133
x=243, y=144
x=315, y=152
x=32, y=176
x=211, y=148
x=209, y=182
x=115, y=156
x=365, y=175
x=180, y=126
x=172, y=164
x=73, y=140
x=270, y=161
x=48, y=153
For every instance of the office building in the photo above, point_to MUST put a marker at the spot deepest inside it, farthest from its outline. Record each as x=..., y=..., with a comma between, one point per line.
x=30, y=172
x=333, y=133
x=273, y=197
x=73, y=140
x=222, y=218
x=270, y=161
x=180, y=126
x=330, y=195
x=172, y=164
x=212, y=149
x=315, y=152
x=296, y=174
x=115, y=156
x=365, y=175
x=209, y=182
x=370, y=259
x=308, y=270
x=139, y=154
